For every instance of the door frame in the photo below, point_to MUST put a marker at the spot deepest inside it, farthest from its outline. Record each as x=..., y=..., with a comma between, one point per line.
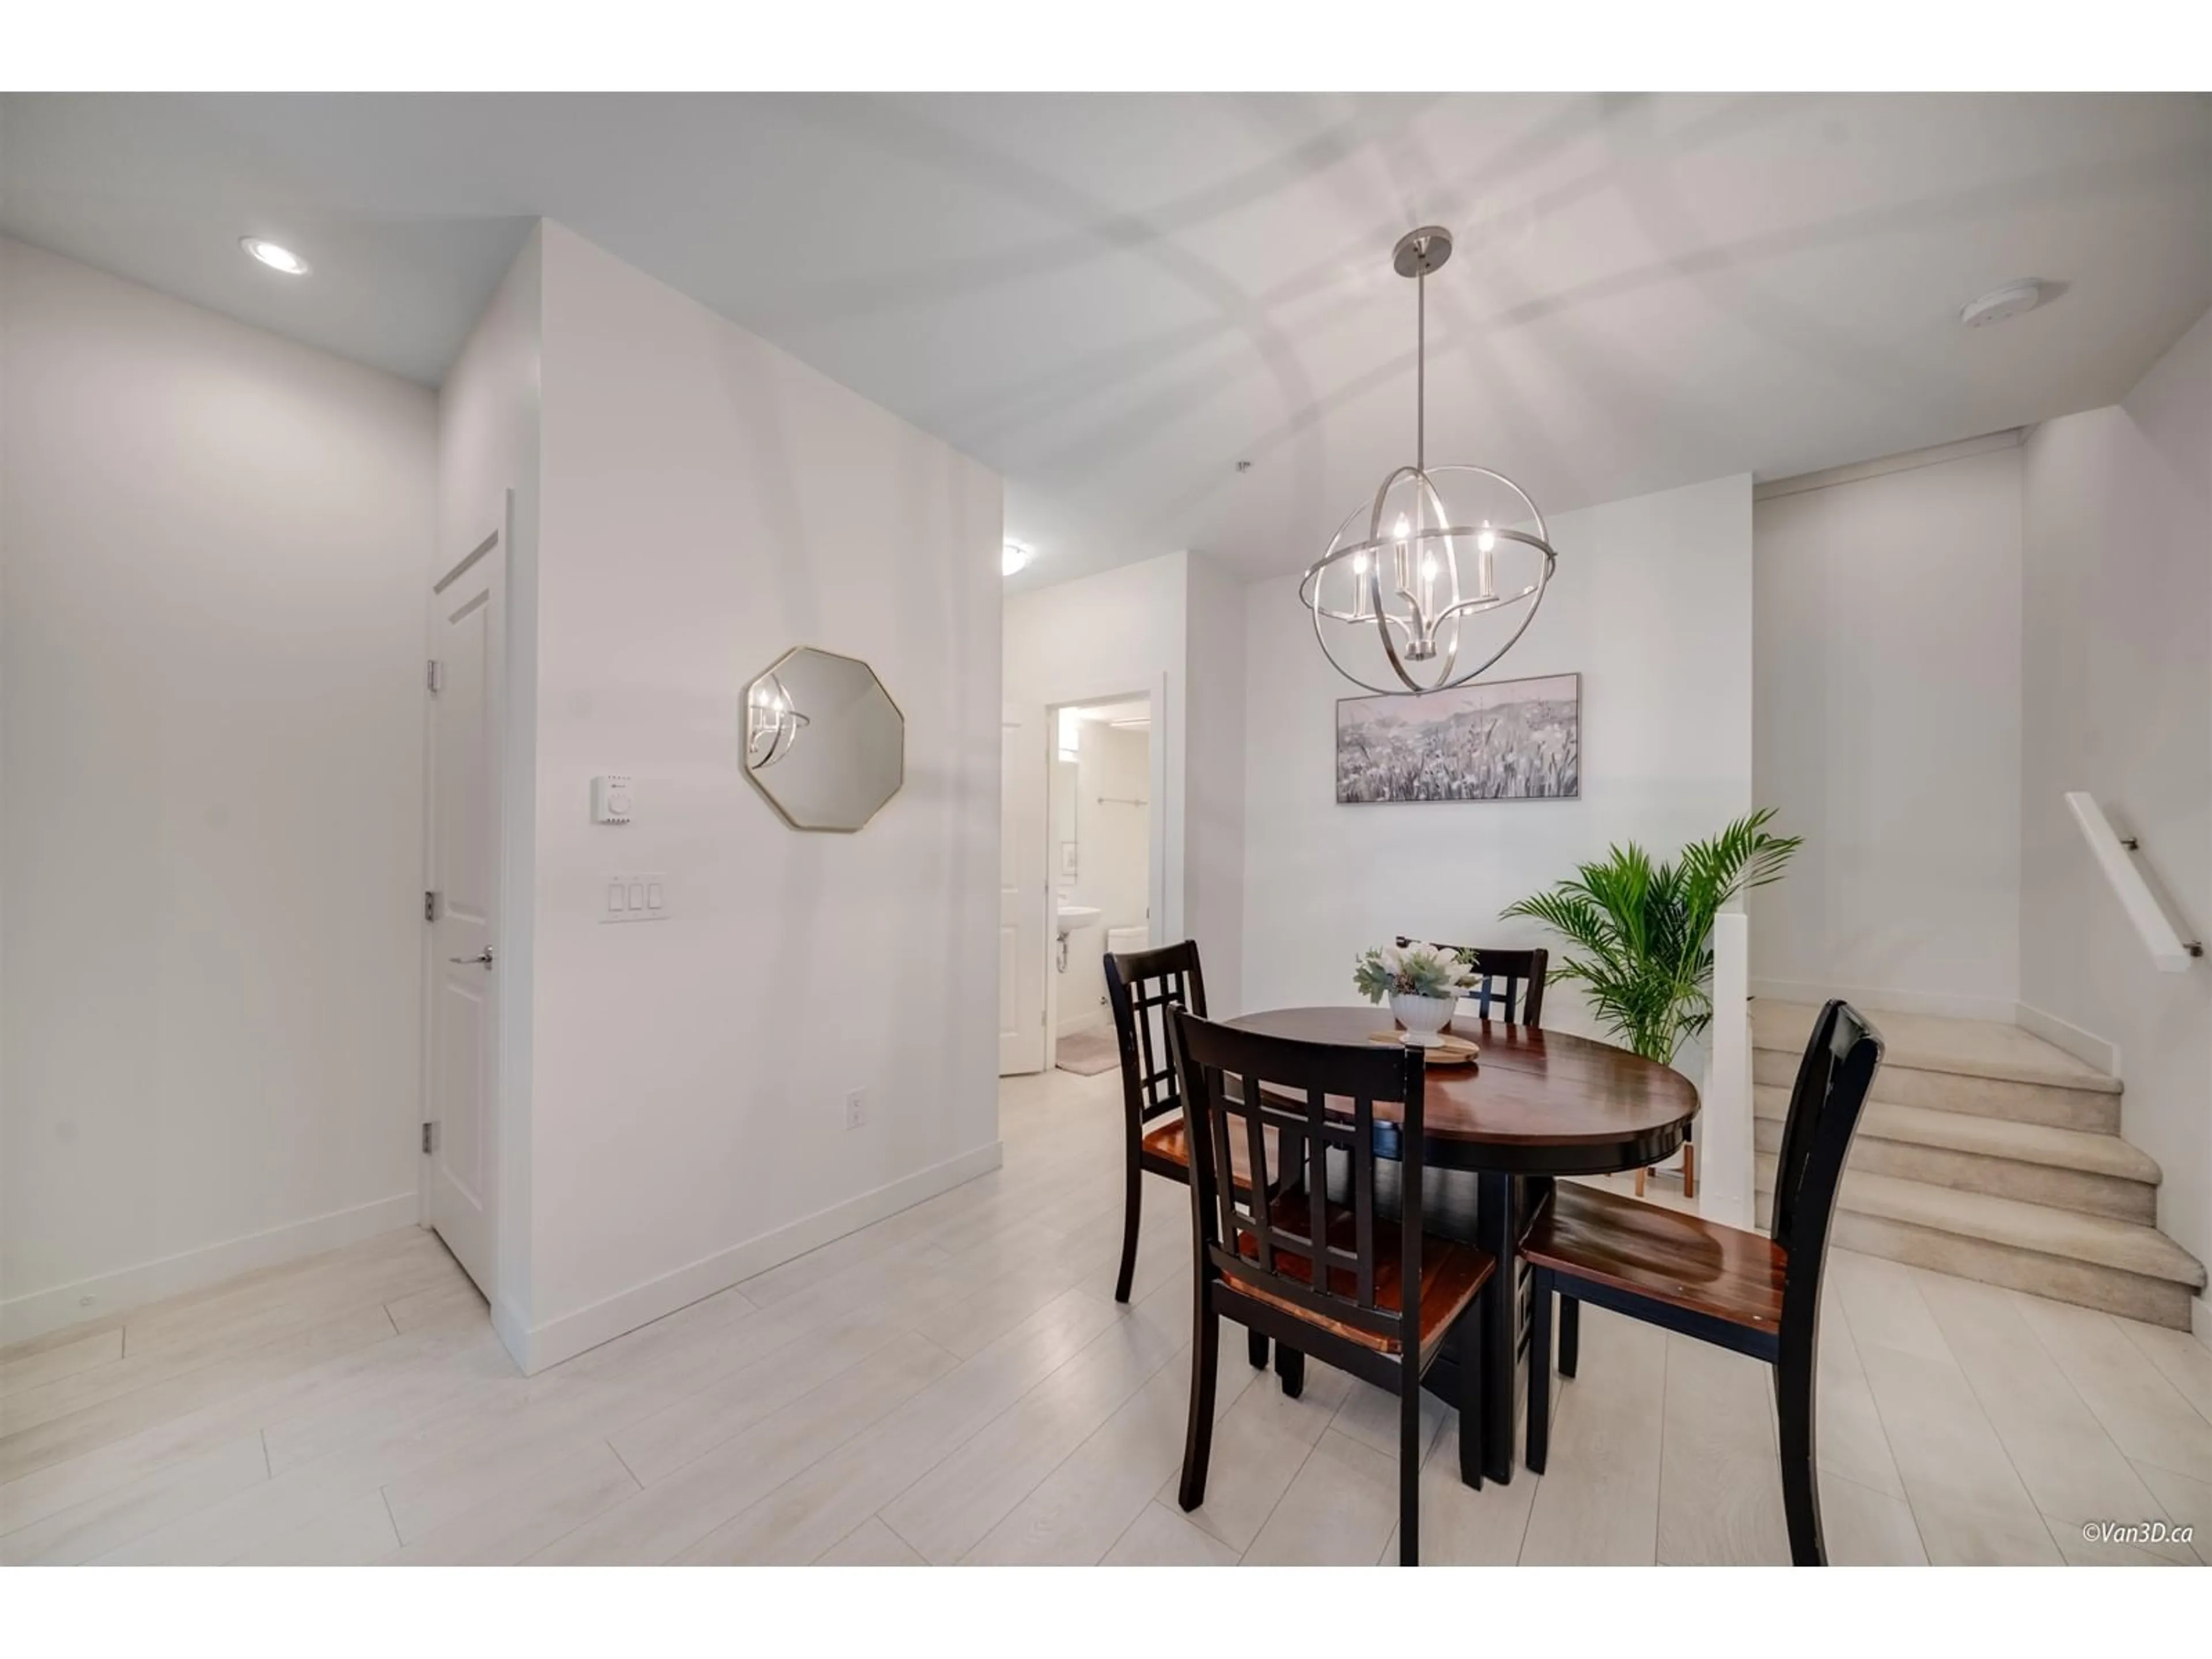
x=1155, y=693
x=496, y=541
x=1035, y=900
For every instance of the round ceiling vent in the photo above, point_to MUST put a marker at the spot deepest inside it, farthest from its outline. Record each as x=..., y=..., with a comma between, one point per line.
x=2000, y=303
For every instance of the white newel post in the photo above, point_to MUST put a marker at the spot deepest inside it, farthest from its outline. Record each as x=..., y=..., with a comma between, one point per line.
x=1724, y=1142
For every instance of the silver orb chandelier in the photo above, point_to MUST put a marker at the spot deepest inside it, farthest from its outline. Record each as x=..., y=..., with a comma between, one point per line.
x=1413, y=569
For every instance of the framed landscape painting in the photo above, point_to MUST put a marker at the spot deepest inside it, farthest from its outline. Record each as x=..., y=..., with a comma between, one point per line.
x=1494, y=740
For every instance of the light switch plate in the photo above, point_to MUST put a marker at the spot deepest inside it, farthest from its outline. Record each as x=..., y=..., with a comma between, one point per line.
x=611, y=799
x=634, y=897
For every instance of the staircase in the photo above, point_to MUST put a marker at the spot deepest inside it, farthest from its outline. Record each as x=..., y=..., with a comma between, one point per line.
x=1986, y=1153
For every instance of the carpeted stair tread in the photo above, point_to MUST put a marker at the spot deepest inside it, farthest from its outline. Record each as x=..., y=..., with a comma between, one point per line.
x=1987, y=1137
x=1967, y=1047
x=2126, y=1246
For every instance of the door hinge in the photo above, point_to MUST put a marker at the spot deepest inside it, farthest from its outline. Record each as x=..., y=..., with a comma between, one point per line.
x=436, y=677
x=430, y=905
x=428, y=1135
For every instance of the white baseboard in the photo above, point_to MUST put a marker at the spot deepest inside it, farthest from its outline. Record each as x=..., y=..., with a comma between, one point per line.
x=1876, y=999
x=508, y=1326
x=570, y=1334
x=39, y=1311
x=2089, y=1050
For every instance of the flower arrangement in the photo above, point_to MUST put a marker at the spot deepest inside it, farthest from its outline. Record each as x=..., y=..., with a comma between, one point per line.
x=1415, y=971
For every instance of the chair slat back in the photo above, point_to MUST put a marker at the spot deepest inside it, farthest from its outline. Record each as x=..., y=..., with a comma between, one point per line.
x=1838, y=1067
x=1510, y=984
x=1319, y=1099
x=1141, y=986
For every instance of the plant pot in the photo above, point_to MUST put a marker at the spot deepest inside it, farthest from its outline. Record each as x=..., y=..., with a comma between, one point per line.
x=1424, y=1018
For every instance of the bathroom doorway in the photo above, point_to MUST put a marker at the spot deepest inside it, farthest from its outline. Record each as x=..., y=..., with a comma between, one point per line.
x=1098, y=853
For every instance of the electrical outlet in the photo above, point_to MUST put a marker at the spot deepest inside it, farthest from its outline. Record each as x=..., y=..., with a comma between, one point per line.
x=856, y=1108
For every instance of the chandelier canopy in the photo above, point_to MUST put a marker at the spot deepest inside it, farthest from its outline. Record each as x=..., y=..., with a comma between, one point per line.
x=1420, y=573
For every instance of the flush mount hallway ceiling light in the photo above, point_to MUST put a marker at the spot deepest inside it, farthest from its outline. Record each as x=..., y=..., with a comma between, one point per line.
x=276, y=257
x=1015, y=558
x=1420, y=574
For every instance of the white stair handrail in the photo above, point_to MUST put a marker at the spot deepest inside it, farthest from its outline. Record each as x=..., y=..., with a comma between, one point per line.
x=2169, y=952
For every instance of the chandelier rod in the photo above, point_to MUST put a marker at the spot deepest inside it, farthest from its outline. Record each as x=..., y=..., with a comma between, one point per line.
x=1421, y=365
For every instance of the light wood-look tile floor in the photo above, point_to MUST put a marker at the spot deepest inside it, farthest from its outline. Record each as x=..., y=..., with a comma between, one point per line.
x=956, y=1384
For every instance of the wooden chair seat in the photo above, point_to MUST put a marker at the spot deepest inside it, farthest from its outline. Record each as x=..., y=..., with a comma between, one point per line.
x=1170, y=1145
x=1451, y=1275
x=1661, y=1255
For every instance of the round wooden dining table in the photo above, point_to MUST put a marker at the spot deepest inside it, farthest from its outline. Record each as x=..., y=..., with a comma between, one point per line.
x=1533, y=1106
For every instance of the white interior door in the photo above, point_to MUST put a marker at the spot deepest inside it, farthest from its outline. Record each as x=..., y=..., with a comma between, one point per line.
x=1021, y=891
x=462, y=1051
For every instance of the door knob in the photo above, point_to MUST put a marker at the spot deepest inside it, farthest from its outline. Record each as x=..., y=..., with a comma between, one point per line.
x=482, y=959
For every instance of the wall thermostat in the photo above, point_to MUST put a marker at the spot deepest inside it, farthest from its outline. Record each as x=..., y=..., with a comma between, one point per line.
x=611, y=800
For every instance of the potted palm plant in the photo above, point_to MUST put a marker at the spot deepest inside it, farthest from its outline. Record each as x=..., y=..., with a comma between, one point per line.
x=1643, y=931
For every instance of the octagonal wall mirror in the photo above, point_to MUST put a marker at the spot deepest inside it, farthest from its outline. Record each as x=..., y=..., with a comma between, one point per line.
x=823, y=740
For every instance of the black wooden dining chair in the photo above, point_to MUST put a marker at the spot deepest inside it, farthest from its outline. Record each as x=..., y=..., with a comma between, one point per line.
x=1753, y=1293
x=1141, y=986
x=1342, y=1281
x=1510, y=984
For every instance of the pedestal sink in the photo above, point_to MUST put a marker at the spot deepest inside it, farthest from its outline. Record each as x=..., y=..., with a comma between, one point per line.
x=1074, y=917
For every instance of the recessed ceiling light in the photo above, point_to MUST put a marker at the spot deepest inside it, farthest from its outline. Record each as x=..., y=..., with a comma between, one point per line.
x=1014, y=558
x=2000, y=303
x=273, y=255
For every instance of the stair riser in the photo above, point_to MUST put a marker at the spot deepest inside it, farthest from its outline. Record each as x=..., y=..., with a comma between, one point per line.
x=2131, y=1296
x=2003, y=1177
x=2087, y=1110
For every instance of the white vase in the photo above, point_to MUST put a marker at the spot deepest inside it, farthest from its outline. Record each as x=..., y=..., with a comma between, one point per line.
x=1424, y=1018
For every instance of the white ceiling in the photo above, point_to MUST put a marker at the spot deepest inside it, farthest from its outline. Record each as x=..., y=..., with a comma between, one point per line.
x=1113, y=299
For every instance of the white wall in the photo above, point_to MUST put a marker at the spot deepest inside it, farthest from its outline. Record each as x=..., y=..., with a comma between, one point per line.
x=1214, y=824
x=708, y=501
x=1887, y=732
x=487, y=438
x=213, y=545
x=1171, y=626
x=1100, y=637
x=2117, y=647
x=1652, y=606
